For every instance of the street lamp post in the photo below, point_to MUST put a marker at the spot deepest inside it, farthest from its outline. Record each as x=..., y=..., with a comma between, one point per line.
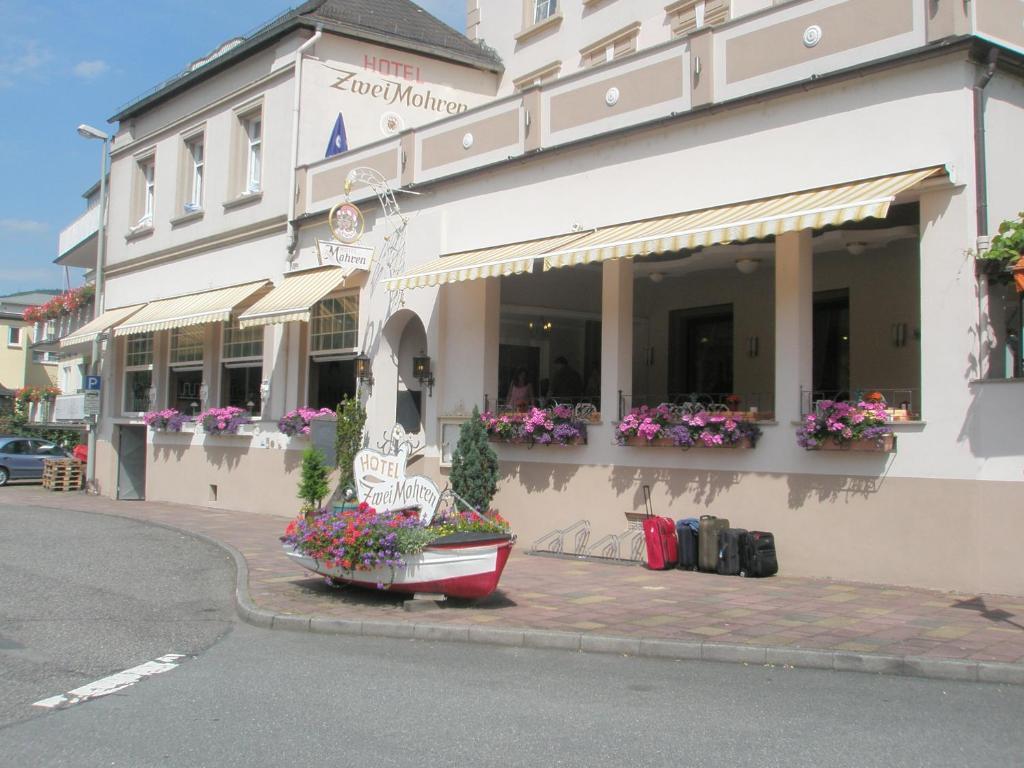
x=88, y=132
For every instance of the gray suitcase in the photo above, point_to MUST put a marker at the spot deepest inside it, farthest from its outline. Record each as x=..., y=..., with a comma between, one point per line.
x=707, y=542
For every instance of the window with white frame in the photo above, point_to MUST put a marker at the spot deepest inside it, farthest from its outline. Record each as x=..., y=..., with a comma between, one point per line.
x=149, y=193
x=14, y=336
x=242, y=358
x=185, y=377
x=252, y=125
x=196, y=168
x=544, y=9
x=144, y=193
x=138, y=372
x=333, y=339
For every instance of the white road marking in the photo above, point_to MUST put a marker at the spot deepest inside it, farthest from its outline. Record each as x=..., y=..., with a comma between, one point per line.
x=113, y=683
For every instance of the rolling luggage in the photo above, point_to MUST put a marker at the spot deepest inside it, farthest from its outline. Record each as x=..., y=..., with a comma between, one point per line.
x=757, y=555
x=686, y=534
x=729, y=551
x=660, y=535
x=707, y=541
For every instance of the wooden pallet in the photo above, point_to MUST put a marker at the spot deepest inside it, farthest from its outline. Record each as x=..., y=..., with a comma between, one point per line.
x=63, y=474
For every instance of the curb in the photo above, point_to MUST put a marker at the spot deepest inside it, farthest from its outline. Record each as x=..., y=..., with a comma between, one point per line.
x=672, y=650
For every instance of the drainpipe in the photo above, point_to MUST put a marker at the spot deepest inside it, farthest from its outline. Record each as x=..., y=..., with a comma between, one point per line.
x=292, y=191
x=985, y=336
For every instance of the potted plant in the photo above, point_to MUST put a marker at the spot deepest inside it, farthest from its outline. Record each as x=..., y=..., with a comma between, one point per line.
x=167, y=420
x=557, y=425
x=862, y=426
x=664, y=425
x=223, y=421
x=297, y=422
x=348, y=440
x=474, y=464
x=1006, y=252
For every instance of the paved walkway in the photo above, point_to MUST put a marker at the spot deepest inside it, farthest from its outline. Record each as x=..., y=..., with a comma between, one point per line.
x=599, y=606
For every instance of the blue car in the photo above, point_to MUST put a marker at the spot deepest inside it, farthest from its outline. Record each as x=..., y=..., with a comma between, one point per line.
x=21, y=458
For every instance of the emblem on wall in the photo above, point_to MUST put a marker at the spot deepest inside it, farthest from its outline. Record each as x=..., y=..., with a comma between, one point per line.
x=391, y=123
x=346, y=222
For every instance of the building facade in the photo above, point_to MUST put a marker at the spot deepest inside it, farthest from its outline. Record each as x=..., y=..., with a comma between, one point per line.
x=20, y=364
x=755, y=202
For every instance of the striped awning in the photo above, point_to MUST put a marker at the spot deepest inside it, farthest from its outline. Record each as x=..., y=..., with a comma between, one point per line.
x=193, y=309
x=99, y=325
x=770, y=216
x=293, y=299
x=495, y=261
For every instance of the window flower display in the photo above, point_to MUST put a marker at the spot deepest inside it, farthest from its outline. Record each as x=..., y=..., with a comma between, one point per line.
x=664, y=425
x=167, y=420
x=223, y=421
x=557, y=425
x=845, y=424
x=297, y=422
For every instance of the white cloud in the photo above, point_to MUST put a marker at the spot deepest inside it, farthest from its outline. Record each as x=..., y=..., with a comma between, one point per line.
x=27, y=60
x=22, y=225
x=89, y=70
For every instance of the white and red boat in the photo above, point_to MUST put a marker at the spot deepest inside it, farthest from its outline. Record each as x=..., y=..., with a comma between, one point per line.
x=466, y=565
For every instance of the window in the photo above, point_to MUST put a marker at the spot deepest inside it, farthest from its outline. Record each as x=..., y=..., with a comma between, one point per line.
x=544, y=9
x=614, y=46
x=700, y=352
x=333, y=331
x=243, y=367
x=196, y=161
x=185, y=380
x=13, y=336
x=831, y=367
x=187, y=344
x=334, y=324
x=45, y=358
x=253, y=127
x=1005, y=312
x=538, y=76
x=688, y=16
x=138, y=377
x=144, y=193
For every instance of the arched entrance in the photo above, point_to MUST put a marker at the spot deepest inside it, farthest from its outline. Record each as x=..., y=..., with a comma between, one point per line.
x=405, y=338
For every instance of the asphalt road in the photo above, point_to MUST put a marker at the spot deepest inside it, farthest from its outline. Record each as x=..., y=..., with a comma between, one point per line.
x=250, y=697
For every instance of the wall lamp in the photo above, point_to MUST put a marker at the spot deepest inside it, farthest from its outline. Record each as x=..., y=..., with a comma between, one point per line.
x=899, y=334
x=364, y=372
x=421, y=370
x=753, y=346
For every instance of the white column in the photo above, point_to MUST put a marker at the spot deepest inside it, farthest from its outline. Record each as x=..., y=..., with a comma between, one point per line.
x=794, y=319
x=616, y=336
x=467, y=364
x=296, y=360
x=275, y=369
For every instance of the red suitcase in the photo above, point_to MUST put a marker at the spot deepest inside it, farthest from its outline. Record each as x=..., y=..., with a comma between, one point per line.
x=660, y=535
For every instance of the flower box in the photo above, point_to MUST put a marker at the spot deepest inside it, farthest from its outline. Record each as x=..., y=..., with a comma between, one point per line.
x=667, y=442
x=884, y=444
x=582, y=440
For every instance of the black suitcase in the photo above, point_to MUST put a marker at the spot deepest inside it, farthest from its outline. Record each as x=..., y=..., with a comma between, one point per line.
x=729, y=551
x=757, y=555
x=687, y=544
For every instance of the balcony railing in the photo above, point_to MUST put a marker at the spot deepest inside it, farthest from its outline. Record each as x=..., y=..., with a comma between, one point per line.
x=80, y=230
x=55, y=329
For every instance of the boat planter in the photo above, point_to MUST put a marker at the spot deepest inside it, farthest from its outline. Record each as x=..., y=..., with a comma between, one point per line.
x=467, y=565
x=886, y=444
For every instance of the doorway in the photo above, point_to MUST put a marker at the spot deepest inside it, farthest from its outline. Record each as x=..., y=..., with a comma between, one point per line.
x=131, y=463
x=700, y=359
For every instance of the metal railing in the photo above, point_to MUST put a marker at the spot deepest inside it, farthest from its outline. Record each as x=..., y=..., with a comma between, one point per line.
x=898, y=398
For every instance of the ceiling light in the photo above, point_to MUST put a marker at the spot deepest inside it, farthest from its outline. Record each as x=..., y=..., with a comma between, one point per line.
x=748, y=266
x=656, y=277
x=856, y=248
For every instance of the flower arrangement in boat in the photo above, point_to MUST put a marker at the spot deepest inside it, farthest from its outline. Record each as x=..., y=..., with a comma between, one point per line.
x=223, y=421
x=167, y=420
x=556, y=425
x=842, y=423
x=296, y=422
x=683, y=428
x=359, y=538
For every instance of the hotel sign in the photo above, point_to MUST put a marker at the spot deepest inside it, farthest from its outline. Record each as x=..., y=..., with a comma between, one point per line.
x=350, y=256
x=382, y=483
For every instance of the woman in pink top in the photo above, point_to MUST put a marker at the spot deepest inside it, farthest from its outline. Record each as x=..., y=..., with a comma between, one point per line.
x=520, y=391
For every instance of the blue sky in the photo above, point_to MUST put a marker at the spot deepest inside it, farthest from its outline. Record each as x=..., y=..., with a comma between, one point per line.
x=65, y=63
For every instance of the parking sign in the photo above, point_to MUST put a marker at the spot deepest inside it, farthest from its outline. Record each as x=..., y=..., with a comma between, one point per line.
x=92, y=383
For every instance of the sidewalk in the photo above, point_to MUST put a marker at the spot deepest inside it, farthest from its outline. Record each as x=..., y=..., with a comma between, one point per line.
x=549, y=602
